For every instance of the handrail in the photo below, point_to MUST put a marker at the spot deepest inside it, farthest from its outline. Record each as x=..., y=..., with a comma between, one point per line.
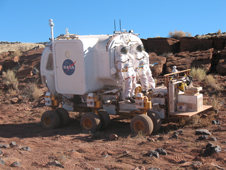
x=177, y=72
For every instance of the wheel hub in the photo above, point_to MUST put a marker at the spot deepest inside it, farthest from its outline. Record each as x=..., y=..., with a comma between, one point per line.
x=139, y=126
x=47, y=121
x=87, y=123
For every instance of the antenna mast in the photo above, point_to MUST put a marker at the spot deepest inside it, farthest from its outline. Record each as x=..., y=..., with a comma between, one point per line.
x=120, y=25
x=51, y=24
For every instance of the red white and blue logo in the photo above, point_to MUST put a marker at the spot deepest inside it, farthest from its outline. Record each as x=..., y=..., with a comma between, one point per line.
x=68, y=67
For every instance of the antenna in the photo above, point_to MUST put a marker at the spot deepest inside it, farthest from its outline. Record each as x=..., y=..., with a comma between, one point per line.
x=117, y=32
x=120, y=25
x=51, y=24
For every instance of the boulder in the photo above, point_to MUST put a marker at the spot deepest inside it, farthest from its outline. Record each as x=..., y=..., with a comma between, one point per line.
x=218, y=43
x=4, y=54
x=16, y=164
x=221, y=67
x=158, y=68
x=202, y=132
x=2, y=161
x=163, y=45
x=194, y=44
x=185, y=60
x=210, y=149
x=153, y=153
x=161, y=151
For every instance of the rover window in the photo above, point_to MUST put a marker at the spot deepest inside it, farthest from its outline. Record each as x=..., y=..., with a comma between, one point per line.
x=49, y=64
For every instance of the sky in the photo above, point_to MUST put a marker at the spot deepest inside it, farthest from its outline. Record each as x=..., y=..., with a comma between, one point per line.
x=28, y=20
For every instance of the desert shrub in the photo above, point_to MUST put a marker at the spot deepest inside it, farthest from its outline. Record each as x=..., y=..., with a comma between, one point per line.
x=210, y=81
x=11, y=91
x=193, y=120
x=198, y=73
x=32, y=92
x=215, y=102
x=178, y=34
x=9, y=78
x=219, y=32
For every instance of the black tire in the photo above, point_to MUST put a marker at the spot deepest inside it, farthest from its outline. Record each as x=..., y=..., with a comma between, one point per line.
x=104, y=118
x=157, y=122
x=50, y=120
x=90, y=122
x=63, y=115
x=141, y=124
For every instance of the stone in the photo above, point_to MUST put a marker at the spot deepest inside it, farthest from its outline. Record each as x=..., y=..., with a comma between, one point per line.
x=151, y=139
x=215, y=122
x=16, y=164
x=203, y=137
x=175, y=136
x=221, y=67
x=154, y=168
x=158, y=68
x=125, y=152
x=26, y=148
x=4, y=145
x=14, y=100
x=139, y=168
x=178, y=132
x=113, y=137
x=210, y=149
x=2, y=161
x=55, y=163
x=13, y=144
x=196, y=164
x=202, y=132
x=1, y=153
x=161, y=151
x=153, y=153
x=213, y=139
x=204, y=116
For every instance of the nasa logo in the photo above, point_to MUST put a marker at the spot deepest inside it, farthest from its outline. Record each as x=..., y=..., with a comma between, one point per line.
x=68, y=67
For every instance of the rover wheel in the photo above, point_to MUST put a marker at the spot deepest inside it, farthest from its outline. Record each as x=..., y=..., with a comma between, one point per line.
x=104, y=118
x=50, y=119
x=141, y=124
x=157, y=123
x=90, y=122
x=63, y=115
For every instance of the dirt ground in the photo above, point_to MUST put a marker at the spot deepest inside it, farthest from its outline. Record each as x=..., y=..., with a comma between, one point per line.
x=76, y=149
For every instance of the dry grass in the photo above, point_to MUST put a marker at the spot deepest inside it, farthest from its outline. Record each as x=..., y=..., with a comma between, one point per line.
x=215, y=102
x=198, y=73
x=210, y=81
x=9, y=78
x=178, y=34
x=196, y=122
x=12, y=92
x=193, y=120
x=219, y=32
x=32, y=92
x=19, y=47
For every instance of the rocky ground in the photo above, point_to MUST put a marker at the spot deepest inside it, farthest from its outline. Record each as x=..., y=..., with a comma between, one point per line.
x=180, y=144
